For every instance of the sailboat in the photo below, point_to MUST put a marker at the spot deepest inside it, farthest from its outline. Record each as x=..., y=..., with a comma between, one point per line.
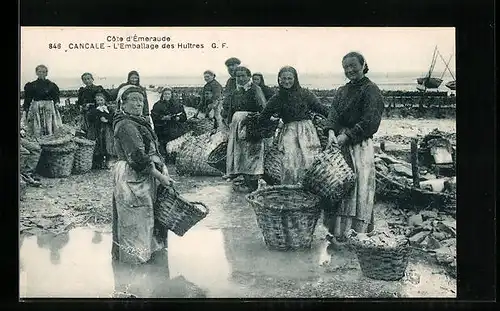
x=429, y=82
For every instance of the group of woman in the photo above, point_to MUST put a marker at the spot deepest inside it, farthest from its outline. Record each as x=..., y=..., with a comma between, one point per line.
x=353, y=117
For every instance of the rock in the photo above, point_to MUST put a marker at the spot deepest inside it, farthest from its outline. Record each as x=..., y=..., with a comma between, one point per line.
x=440, y=236
x=415, y=220
x=445, y=255
x=412, y=277
x=428, y=224
x=419, y=237
x=447, y=227
x=449, y=242
x=427, y=176
x=434, y=185
x=430, y=243
x=428, y=214
x=401, y=169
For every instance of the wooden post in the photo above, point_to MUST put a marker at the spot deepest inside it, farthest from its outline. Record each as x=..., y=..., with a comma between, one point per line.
x=414, y=163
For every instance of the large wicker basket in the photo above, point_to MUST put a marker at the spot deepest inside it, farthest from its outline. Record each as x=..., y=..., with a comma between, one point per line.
x=84, y=154
x=200, y=126
x=217, y=158
x=319, y=122
x=173, y=146
x=57, y=160
x=329, y=176
x=273, y=158
x=192, y=157
x=176, y=213
x=383, y=262
x=258, y=130
x=287, y=216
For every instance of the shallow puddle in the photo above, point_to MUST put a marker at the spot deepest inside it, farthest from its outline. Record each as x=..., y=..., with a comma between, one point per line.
x=224, y=255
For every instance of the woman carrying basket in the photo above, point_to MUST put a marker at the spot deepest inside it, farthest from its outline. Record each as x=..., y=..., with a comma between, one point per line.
x=354, y=117
x=139, y=169
x=298, y=139
x=244, y=157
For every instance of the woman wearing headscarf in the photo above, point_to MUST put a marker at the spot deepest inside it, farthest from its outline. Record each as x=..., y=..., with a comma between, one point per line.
x=244, y=157
x=354, y=117
x=87, y=105
x=40, y=99
x=258, y=79
x=133, y=78
x=211, y=86
x=169, y=117
x=298, y=139
x=137, y=172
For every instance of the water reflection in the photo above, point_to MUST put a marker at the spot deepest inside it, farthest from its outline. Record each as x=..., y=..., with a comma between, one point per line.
x=54, y=242
x=97, y=238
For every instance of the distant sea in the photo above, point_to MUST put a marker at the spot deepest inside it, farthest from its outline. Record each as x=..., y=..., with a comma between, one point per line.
x=385, y=81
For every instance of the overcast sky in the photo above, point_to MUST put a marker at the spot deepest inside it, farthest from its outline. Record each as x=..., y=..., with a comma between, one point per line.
x=308, y=49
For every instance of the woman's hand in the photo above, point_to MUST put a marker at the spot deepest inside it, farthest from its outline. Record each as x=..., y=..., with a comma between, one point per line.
x=332, y=139
x=103, y=119
x=168, y=118
x=342, y=139
x=166, y=181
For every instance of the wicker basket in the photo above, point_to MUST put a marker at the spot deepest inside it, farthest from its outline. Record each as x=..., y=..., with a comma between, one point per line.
x=287, y=216
x=57, y=160
x=319, y=123
x=84, y=154
x=200, y=126
x=259, y=130
x=173, y=146
x=383, y=263
x=329, y=175
x=217, y=158
x=272, y=164
x=176, y=213
x=192, y=157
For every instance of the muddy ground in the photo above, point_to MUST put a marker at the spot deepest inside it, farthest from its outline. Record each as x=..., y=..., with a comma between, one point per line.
x=62, y=204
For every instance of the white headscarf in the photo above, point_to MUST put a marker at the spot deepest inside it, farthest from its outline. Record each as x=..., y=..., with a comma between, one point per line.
x=119, y=98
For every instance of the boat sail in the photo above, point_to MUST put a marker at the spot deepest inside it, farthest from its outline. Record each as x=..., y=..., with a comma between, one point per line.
x=429, y=82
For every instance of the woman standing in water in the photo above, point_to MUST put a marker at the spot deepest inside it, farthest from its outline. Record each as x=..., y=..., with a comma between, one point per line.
x=354, y=118
x=244, y=158
x=139, y=169
x=133, y=78
x=169, y=119
x=87, y=104
x=298, y=139
x=258, y=79
x=40, y=99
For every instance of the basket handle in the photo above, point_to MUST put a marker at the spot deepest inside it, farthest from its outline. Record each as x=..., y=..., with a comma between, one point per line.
x=202, y=204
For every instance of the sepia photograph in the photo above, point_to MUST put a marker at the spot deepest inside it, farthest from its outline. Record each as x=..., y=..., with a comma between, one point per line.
x=237, y=162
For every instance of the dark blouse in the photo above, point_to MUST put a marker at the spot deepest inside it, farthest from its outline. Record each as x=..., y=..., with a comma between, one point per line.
x=40, y=90
x=168, y=129
x=268, y=92
x=297, y=108
x=216, y=88
x=134, y=143
x=86, y=94
x=230, y=86
x=357, y=107
x=252, y=100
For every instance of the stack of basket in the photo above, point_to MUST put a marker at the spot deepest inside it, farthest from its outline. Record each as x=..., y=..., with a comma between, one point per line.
x=217, y=158
x=57, y=157
x=173, y=146
x=84, y=154
x=329, y=176
x=287, y=216
x=192, y=158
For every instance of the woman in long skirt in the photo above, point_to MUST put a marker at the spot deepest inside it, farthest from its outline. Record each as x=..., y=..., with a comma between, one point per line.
x=139, y=169
x=244, y=157
x=354, y=118
x=40, y=99
x=298, y=139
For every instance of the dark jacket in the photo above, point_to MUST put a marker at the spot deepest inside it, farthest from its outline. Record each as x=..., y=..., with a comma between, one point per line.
x=86, y=94
x=216, y=88
x=40, y=90
x=252, y=100
x=168, y=130
x=357, y=107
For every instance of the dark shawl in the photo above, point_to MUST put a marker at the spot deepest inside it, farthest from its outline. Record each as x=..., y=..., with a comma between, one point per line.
x=40, y=90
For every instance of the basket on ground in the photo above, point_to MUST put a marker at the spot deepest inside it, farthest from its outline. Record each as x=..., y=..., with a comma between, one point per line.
x=176, y=213
x=383, y=262
x=329, y=176
x=272, y=164
x=57, y=160
x=287, y=216
x=192, y=157
x=200, y=126
x=84, y=154
x=217, y=158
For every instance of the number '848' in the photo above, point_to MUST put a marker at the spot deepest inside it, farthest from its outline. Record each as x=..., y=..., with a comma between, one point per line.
x=54, y=45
